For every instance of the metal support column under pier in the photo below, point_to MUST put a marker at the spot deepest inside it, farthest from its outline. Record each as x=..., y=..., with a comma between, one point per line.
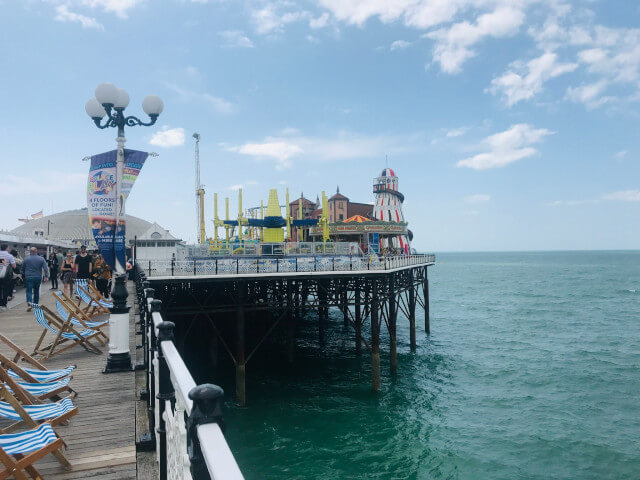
x=375, y=338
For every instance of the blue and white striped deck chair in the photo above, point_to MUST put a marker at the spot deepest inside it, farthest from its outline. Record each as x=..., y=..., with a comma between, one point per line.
x=64, y=334
x=77, y=317
x=32, y=415
x=43, y=391
x=44, y=376
x=96, y=305
x=19, y=451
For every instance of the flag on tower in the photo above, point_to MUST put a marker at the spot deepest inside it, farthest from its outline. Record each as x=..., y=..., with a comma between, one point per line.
x=35, y=216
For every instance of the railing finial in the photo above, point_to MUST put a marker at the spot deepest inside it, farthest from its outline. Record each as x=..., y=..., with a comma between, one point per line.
x=156, y=305
x=165, y=331
x=207, y=408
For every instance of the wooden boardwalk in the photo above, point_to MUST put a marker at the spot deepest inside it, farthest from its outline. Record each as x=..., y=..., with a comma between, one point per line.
x=101, y=438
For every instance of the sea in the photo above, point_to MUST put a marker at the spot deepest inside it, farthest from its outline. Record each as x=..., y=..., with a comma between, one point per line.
x=531, y=371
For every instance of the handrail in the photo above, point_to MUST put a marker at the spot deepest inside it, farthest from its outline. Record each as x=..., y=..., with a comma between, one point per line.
x=194, y=449
x=260, y=265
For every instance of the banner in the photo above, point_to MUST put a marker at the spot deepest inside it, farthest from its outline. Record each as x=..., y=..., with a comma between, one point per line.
x=103, y=205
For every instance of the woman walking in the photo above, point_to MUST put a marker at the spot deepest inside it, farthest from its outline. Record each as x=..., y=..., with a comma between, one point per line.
x=66, y=272
x=53, y=269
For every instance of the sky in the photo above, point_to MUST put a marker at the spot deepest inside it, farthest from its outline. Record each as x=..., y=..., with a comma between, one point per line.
x=511, y=124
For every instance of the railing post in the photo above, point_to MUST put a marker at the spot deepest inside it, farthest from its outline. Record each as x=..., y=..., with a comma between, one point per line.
x=237, y=266
x=207, y=408
x=194, y=267
x=333, y=264
x=156, y=306
x=258, y=265
x=149, y=267
x=277, y=264
x=173, y=263
x=315, y=263
x=166, y=394
x=296, y=264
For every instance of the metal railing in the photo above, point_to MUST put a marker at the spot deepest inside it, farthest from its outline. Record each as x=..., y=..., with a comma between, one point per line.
x=259, y=265
x=249, y=248
x=186, y=419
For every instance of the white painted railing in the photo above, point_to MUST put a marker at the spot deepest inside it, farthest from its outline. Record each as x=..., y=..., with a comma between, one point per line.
x=262, y=265
x=186, y=418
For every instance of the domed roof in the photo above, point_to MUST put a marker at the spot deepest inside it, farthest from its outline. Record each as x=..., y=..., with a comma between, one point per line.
x=387, y=172
x=73, y=225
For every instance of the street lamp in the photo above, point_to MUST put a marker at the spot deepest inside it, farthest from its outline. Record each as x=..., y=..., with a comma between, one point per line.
x=111, y=101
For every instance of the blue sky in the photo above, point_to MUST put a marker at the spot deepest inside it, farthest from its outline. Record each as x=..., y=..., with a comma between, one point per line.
x=512, y=124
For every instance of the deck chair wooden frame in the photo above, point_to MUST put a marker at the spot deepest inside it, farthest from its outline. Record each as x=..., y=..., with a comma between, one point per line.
x=93, y=307
x=59, y=329
x=27, y=397
x=17, y=464
x=31, y=423
x=96, y=293
x=25, y=418
x=12, y=364
x=76, y=308
x=80, y=318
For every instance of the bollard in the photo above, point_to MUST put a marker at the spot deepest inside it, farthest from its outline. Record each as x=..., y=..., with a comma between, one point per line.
x=207, y=408
x=166, y=394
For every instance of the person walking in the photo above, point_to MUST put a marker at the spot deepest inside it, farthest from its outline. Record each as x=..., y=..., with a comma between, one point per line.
x=67, y=267
x=102, y=274
x=6, y=283
x=33, y=268
x=83, y=264
x=53, y=269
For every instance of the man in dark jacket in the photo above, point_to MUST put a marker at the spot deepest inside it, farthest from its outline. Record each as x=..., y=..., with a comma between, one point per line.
x=33, y=268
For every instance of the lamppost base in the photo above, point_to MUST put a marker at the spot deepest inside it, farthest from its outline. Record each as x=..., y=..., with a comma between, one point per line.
x=118, y=362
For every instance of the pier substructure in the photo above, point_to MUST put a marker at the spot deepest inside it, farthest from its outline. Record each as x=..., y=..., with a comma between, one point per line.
x=242, y=311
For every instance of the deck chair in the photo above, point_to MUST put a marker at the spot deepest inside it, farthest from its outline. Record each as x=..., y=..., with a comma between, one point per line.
x=95, y=293
x=19, y=451
x=30, y=415
x=68, y=312
x=33, y=376
x=94, y=306
x=44, y=391
x=64, y=334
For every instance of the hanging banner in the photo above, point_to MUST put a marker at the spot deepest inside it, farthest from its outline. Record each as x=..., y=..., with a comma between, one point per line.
x=103, y=206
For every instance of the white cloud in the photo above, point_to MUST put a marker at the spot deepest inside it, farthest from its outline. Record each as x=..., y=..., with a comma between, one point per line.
x=399, y=45
x=522, y=81
x=119, y=7
x=64, y=15
x=623, y=196
x=590, y=95
x=236, y=38
x=621, y=154
x=217, y=103
x=279, y=150
x=242, y=185
x=343, y=146
x=506, y=147
x=167, y=137
x=44, y=183
x=456, y=132
x=454, y=44
x=319, y=22
x=477, y=198
x=275, y=15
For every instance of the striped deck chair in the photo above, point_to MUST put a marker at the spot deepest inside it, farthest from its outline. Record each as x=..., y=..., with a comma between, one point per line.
x=31, y=415
x=36, y=375
x=64, y=334
x=68, y=313
x=94, y=306
x=19, y=451
x=43, y=391
x=44, y=376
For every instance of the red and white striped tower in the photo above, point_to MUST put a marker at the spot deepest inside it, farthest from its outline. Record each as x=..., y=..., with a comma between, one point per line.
x=388, y=208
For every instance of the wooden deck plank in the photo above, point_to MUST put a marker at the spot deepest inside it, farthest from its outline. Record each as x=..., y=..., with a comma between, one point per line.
x=101, y=438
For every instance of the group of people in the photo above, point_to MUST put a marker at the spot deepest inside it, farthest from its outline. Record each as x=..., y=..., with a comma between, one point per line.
x=35, y=269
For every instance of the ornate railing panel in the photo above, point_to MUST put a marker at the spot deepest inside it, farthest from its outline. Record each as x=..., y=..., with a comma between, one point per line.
x=298, y=263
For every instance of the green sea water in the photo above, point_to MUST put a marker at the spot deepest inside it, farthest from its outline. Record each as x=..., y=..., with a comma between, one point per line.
x=532, y=371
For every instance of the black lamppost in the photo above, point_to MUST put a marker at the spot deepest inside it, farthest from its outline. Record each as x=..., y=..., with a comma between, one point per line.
x=111, y=102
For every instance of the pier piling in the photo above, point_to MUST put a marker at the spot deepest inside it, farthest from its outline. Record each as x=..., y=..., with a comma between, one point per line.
x=375, y=339
x=427, y=326
x=241, y=397
x=392, y=321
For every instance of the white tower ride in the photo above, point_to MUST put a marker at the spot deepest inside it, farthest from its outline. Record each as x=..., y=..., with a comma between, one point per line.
x=388, y=208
